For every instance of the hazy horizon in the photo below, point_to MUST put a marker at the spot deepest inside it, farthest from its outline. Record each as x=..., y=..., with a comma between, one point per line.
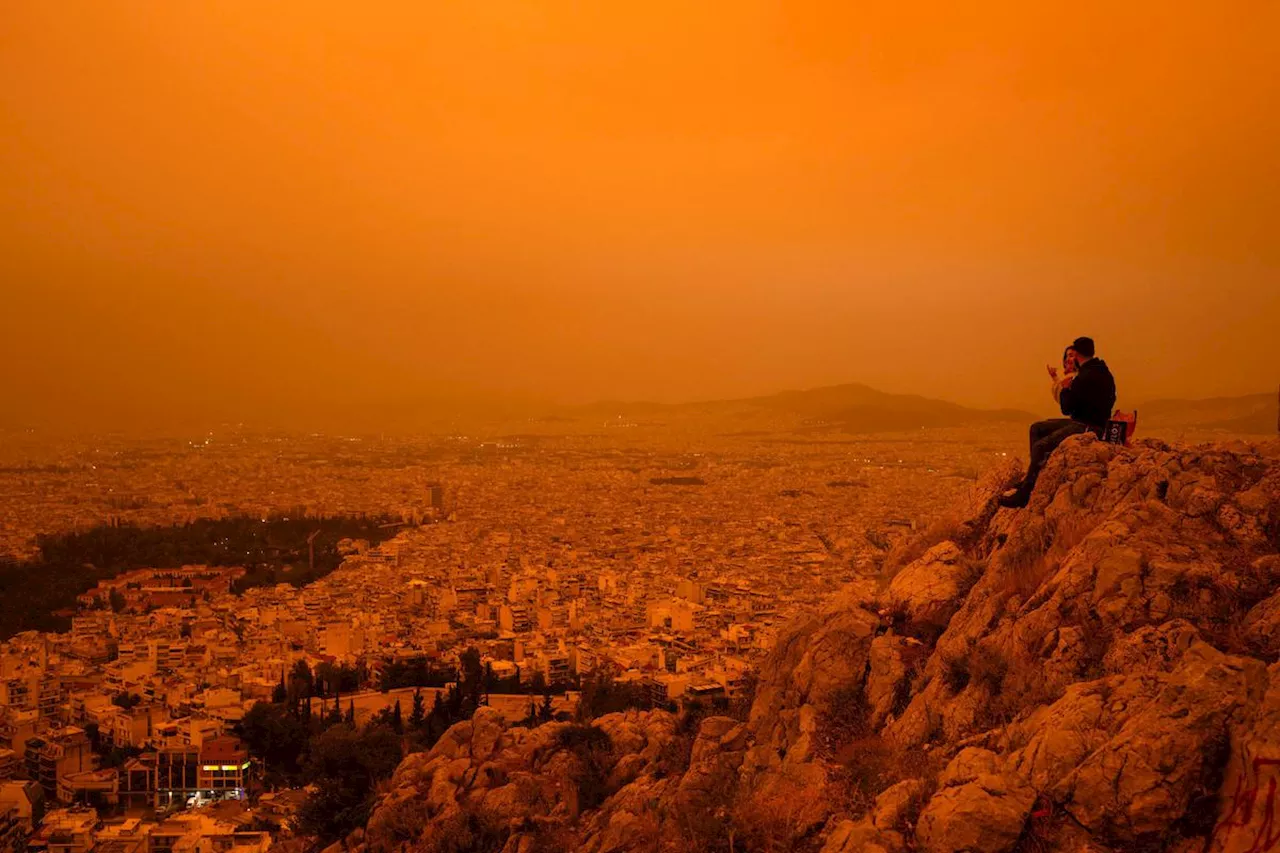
x=222, y=213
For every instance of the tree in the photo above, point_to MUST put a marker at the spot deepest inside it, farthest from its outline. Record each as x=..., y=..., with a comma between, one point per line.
x=365, y=756
x=126, y=700
x=326, y=676
x=345, y=766
x=303, y=677
x=546, y=712
x=602, y=695
x=418, y=715
x=280, y=694
x=334, y=716
x=116, y=599
x=351, y=713
x=397, y=721
x=301, y=687
x=471, y=677
x=275, y=736
x=538, y=684
x=333, y=810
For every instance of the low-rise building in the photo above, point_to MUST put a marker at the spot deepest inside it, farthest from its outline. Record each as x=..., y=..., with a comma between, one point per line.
x=98, y=788
x=224, y=768
x=65, y=831
x=57, y=754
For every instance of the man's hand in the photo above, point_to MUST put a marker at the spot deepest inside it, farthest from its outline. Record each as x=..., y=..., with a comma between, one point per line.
x=1053, y=372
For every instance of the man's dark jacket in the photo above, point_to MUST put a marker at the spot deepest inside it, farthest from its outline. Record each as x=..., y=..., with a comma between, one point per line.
x=1092, y=395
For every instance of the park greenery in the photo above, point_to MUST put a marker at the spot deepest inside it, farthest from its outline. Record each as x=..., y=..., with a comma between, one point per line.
x=272, y=550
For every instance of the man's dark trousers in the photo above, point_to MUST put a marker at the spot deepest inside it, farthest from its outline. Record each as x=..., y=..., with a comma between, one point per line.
x=1045, y=438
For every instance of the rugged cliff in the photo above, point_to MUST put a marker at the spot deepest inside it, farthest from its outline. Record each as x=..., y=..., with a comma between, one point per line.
x=1097, y=672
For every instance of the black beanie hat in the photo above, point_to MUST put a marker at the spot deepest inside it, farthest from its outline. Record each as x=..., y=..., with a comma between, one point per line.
x=1084, y=346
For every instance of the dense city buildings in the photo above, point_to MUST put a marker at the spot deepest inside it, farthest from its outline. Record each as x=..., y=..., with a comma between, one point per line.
x=666, y=555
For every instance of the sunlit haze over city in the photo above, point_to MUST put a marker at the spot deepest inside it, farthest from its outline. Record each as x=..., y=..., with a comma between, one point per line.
x=532, y=426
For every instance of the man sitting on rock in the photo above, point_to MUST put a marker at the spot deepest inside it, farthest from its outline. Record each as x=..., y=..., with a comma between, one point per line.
x=1085, y=397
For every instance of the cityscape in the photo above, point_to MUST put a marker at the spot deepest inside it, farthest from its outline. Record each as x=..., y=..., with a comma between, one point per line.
x=554, y=556
x=639, y=427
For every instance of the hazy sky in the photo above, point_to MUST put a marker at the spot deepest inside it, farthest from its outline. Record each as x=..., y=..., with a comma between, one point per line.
x=239, y=208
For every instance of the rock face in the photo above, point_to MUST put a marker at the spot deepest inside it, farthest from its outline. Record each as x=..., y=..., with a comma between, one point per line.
x=1097, y=672
x=980, y=807
x=929, y=590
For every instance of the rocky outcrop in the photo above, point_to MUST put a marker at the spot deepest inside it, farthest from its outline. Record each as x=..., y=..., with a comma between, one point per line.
x=929, y=590
x=981, y=808
x=1097, y=673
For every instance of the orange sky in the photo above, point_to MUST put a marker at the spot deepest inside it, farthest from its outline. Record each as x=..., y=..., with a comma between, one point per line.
x=234, y=210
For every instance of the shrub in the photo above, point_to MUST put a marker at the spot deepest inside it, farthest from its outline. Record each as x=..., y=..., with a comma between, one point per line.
x=673, y=757
x=1200, y=816
x=870, y=765
x=740, y=704
x=472, y=829
x=333, y=810
x=987, y=668
x=847, y=715
x=601, y=695
x=552, y=837
x=866, y=767
x=1022, y=560
x=582, y=739
x=955, y=672
x=593, y=750
x=780, y=817
x=1097, y=641
x=405, y=820
x=690, y=719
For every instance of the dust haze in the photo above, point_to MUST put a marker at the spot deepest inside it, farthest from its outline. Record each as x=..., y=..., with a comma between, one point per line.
x=274, y=212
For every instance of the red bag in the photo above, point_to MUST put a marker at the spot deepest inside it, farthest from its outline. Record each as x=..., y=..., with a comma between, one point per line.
x=1121, y=427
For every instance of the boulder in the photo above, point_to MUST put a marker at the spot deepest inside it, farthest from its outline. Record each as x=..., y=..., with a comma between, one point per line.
x=862, y=837
x=813, y=663
x=1144, y=777
x=1262, y=626
x=896, y=805
x=1244, y=820
x=929, y=590
x=969, y=764
x=1151, y=648
x=487, y=726
x=887, y=675
x=985, y=815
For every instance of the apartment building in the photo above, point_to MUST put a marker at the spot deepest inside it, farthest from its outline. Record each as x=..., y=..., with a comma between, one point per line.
x=56, y=754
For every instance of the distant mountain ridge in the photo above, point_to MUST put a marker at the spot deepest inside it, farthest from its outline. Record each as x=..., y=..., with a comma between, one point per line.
x=1252, y=414
x=852, y=406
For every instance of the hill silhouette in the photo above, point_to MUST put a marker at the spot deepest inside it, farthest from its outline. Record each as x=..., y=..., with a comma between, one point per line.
x=853, y=407
x=1253, y=414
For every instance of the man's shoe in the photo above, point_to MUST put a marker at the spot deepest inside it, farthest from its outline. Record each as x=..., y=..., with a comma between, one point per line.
x=1017, y=500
